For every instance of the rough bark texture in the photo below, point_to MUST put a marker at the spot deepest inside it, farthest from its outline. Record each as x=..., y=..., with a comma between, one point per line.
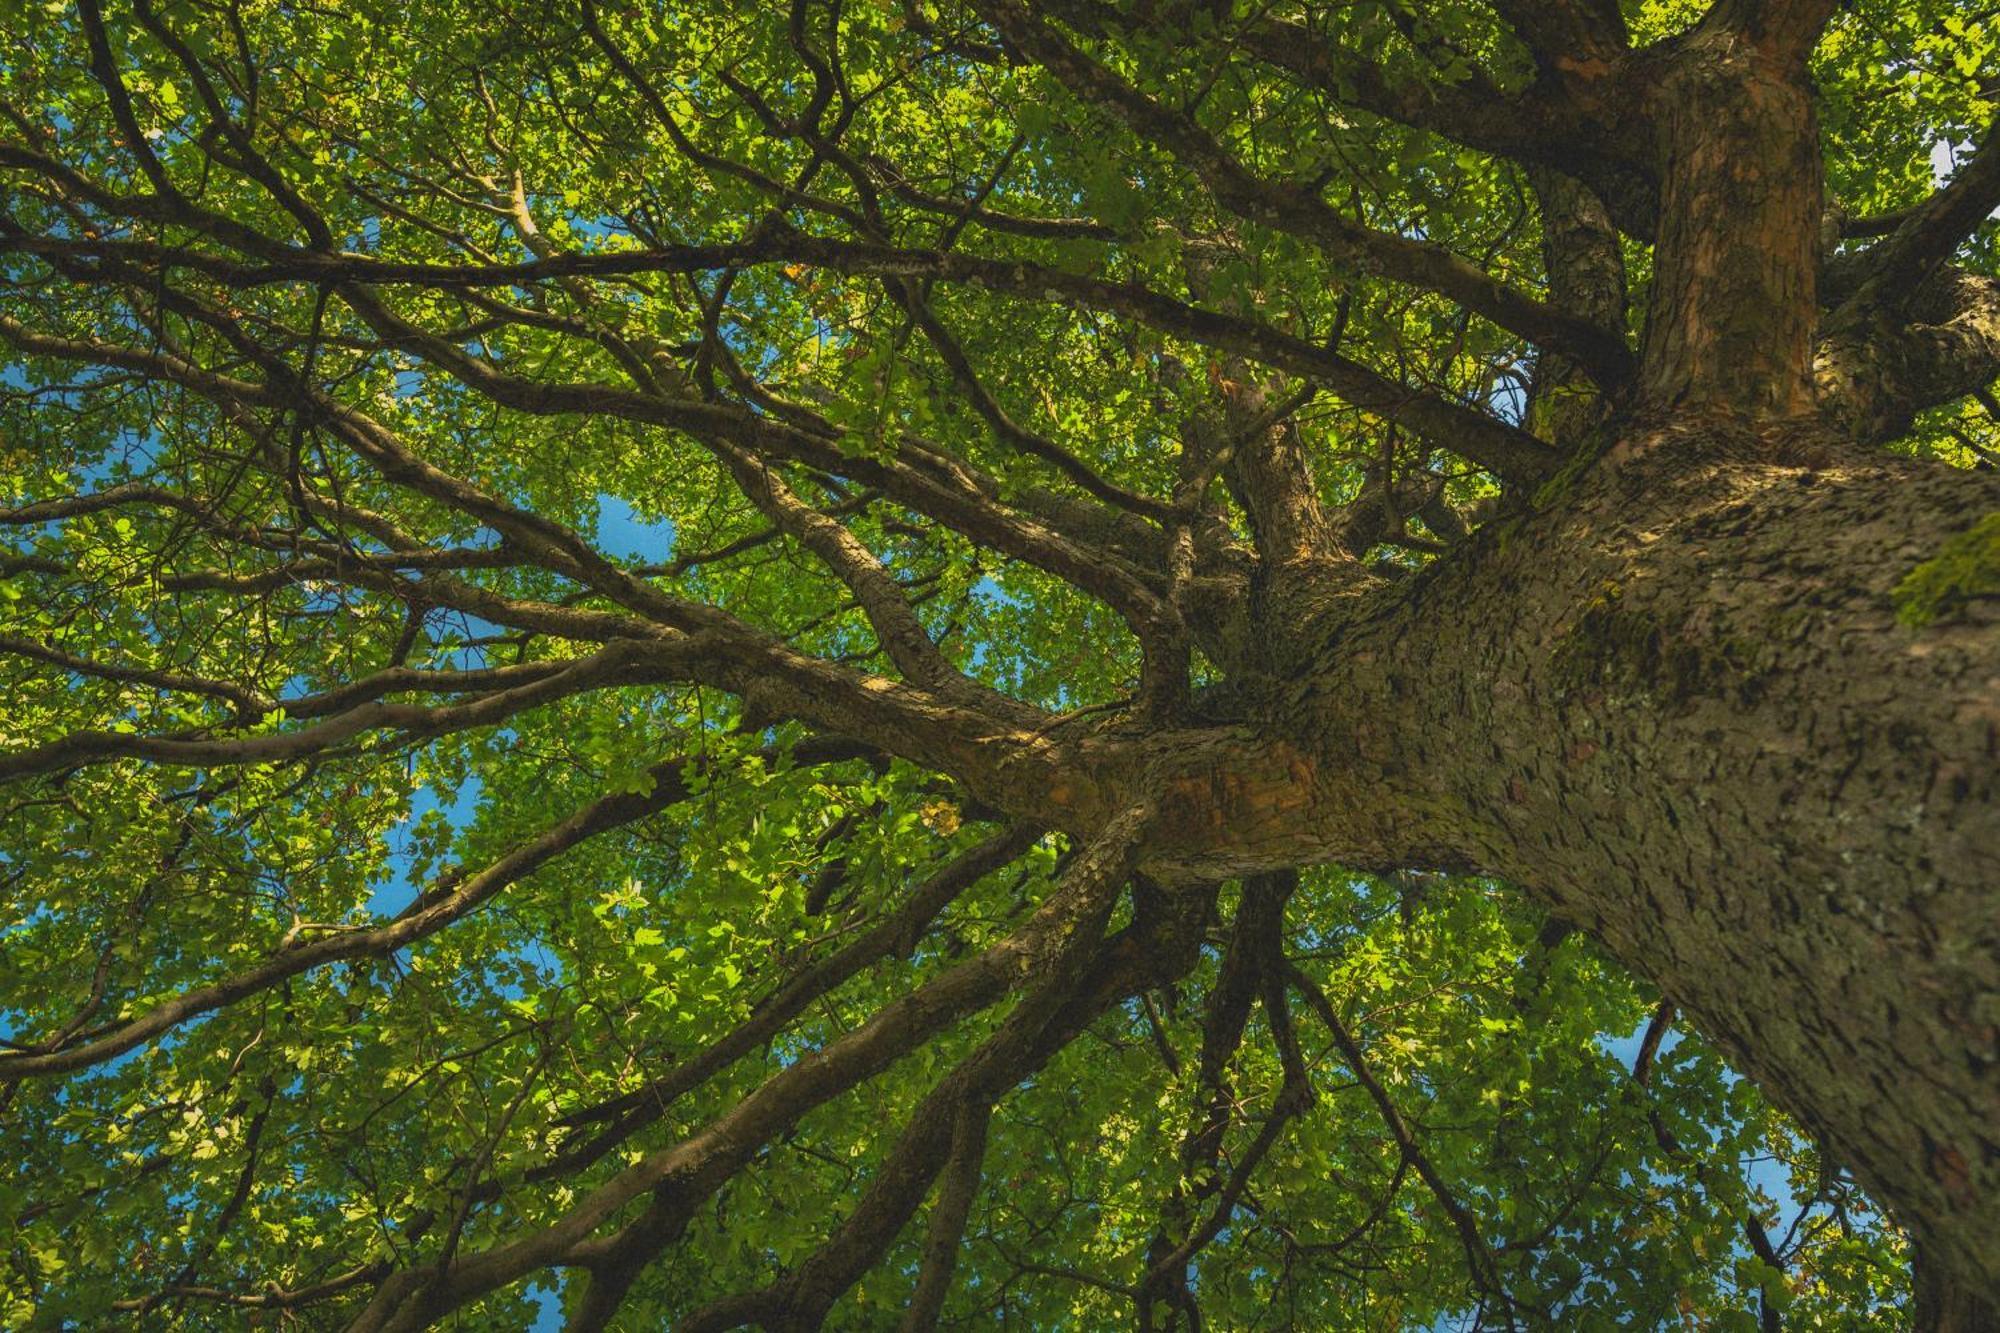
x=1874, y=372
x=1734, y=309
x=1679, y=755
x=1640, y=702
x=1943, y=1307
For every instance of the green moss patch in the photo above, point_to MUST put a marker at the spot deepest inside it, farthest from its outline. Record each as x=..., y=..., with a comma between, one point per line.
x=1968, y=566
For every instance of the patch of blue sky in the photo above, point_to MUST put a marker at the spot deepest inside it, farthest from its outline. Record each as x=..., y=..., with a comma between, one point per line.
x=325, y=598
x=548, y=1306
x=397, y=888
x=1508, y=399
x=131, y=452
x=989, y=588
x=139, y=449
x=467, y=635
x=537, y=955
x=1944, y=159
x=624, y=535
x=1625, y=1049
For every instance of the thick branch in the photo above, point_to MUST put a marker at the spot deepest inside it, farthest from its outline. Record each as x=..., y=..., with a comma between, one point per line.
x=1300, y=211
x=1566, y=31
x=1877, y=369
x=693, y=1168
x=898, y=931
x=1544, y=124
x=1898, y=267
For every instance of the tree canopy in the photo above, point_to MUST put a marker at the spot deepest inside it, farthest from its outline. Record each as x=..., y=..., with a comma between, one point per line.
x=713, y=664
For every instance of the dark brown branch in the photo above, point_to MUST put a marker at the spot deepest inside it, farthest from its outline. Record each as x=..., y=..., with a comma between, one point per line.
x=1483, y=1269
x=1649, y=1042
x=1015, y=435
x=1899, y=266
x=1753, y=1228
x=1493, y=445
x=250, y=703
x=1874, y=371
x=1542, y=124
x=1255, y=946
x=881, y=599
x=1060, y=1004
x=273, y=1298
x=693, y=1168
x=720, y=650
x=623, y=663
x=1300, y=211
x=1569, y=32
x=1586, y=267
x=963, y=505
x=1786, y=28
x=944, y=1234
x=897, y=932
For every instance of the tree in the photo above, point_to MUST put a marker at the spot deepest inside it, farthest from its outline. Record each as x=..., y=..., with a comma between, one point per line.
x=1010, y=663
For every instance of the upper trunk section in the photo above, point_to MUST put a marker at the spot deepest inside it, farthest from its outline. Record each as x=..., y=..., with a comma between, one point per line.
x=1736, y=717
x=1733, y=308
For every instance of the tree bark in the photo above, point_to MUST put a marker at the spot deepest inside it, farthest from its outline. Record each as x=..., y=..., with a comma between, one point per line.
x=1734, y=308
x=1709, y=740
x=1677, y=706
x=1941, y=1305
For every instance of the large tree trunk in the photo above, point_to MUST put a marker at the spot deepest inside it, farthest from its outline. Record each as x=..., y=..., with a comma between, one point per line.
x=1678, y=707
x=1734, y=311
x=1689, y=702
x=1689, y=719
x=1682, y=697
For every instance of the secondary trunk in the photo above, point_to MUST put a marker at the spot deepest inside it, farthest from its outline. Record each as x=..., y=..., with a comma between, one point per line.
x=1732, y=315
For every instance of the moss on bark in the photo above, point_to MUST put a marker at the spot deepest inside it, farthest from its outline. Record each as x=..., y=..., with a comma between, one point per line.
x=1967, y=567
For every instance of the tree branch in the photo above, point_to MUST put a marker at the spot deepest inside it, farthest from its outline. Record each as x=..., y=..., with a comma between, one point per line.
x=692, y=1169
x=1898, y=268
x=1483, y=1269
x=447, y=900
x=1299, y=211
x=1566, y=31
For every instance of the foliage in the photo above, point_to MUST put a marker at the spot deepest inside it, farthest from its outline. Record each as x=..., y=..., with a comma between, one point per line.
x=484, y=669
